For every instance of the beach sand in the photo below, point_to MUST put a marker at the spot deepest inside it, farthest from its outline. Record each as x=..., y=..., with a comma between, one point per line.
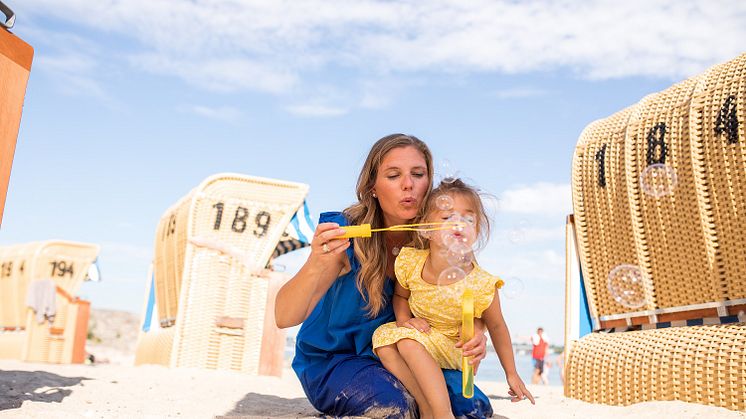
x=113, y=388
x=122, y=391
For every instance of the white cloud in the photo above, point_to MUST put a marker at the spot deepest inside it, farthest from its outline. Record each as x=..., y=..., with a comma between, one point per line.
x=526, y=265
x=220, y=74
x=520, y=92
x=136, y=255
x=540, y=198
x=221, y=113
x=317, y=111
x=275, y=46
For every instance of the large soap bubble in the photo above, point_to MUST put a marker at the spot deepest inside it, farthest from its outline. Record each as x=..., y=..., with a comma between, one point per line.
x=626, y=284
x=658, y=180
x=513, y=288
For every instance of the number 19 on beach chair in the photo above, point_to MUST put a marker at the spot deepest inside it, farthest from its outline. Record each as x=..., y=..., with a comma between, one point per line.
x=210, y=300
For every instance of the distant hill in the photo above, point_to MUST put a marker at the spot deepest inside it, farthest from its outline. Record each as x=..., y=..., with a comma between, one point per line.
x=112, y=336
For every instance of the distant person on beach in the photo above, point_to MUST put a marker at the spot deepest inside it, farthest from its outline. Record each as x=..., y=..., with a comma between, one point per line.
x=343, y=293
x=540, y=344
x=427, y=303
x=545, y=373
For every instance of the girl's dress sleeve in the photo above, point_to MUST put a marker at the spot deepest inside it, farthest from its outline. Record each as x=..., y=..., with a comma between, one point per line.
x=490, y=285
x=404, y=266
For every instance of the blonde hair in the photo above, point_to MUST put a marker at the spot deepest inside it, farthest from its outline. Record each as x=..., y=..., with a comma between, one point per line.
x=452, y=187
x=371, y=252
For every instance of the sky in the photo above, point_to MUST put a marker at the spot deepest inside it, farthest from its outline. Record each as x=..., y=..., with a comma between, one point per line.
x=131, y=104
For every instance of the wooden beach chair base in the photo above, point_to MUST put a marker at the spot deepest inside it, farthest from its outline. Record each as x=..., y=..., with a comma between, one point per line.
x=55, y=344
x=698, y=364
x=11, y=343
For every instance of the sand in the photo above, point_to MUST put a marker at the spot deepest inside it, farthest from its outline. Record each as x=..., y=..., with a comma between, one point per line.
x=113, y=388
x=122, y=391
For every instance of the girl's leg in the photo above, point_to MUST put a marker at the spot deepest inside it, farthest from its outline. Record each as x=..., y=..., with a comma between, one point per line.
x=428, y=375
x=393, y=361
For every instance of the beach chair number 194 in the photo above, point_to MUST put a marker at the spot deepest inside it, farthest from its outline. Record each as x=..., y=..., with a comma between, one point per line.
x=61, y=268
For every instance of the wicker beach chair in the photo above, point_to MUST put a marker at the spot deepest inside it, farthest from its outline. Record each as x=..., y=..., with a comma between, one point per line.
x=686, y=339
x=23, y=336
x=210, y=300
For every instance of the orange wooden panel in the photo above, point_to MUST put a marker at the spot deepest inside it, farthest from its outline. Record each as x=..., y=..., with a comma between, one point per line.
x=15, y=65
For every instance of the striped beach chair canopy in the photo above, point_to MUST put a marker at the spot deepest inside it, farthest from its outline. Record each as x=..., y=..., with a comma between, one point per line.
x=298, y=233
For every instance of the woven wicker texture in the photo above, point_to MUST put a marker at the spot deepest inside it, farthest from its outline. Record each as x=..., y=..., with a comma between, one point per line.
x=210, y=249
x=689, y=243
x=602, y=206
x=67, y=264
x=700, y=364
x=717, y=126
x=14, y=279
x=154, y=347
x=662, y=224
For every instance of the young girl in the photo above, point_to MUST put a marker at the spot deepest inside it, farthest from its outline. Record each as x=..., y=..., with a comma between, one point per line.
x=427, y=306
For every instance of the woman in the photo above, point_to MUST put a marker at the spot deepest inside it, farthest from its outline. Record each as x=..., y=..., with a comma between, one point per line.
x=343, y=293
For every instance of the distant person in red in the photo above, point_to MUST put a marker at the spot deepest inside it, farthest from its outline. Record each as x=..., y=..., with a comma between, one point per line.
x=540, y=343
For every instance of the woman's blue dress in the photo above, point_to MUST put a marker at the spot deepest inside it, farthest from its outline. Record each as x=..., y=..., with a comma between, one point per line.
x=335, y=363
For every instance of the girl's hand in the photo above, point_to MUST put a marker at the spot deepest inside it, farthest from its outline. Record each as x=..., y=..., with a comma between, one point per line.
x=418, y=324
x=518, y=390
x=323, y=246
x=476, y=347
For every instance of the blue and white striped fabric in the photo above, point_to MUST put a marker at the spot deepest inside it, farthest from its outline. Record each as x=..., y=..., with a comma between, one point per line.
x=298, y=233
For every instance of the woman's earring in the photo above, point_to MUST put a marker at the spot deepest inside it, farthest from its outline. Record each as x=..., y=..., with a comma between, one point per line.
x=374, y=195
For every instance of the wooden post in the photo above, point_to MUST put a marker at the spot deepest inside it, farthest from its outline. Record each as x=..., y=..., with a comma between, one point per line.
x=272, y=355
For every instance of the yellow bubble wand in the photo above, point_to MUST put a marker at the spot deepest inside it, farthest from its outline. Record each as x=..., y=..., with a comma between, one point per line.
x=467, y=332
x=365, y=230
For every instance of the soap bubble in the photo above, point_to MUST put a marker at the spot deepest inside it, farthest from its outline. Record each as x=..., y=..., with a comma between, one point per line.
x=517, y=234
x=626, y=284
x=447, y=172
x=462, y=230
x=444, y=202
x=450, y=275
x=459, y=255
x=513, y=288
x=658, y=180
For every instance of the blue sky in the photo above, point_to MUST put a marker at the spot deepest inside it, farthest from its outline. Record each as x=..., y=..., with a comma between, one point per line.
x=131, y=104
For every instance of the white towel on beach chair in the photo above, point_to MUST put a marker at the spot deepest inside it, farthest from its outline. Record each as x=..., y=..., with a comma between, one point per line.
x=41, y=297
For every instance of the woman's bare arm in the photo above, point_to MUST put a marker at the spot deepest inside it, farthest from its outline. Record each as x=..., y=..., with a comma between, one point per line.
x=298, y=297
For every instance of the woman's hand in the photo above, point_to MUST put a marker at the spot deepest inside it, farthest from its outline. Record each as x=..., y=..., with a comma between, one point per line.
x=324, y=246
x=298, y=297
x=418, y=324
x=476, y=347
x=518, y=390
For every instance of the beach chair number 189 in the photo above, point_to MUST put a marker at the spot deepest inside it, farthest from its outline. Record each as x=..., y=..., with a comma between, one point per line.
x=262, y=220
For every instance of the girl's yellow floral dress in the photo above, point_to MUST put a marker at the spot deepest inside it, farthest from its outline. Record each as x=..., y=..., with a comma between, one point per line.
x=440, y=306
